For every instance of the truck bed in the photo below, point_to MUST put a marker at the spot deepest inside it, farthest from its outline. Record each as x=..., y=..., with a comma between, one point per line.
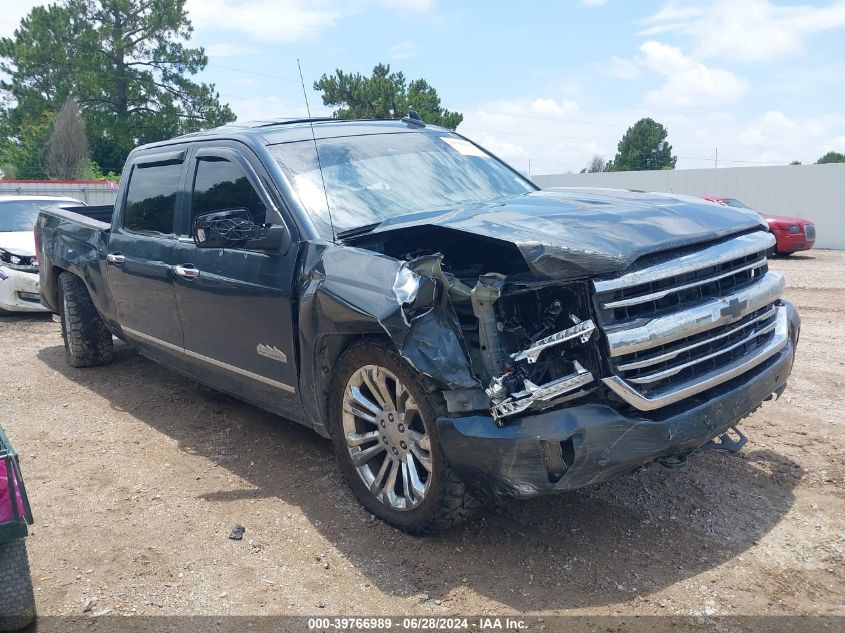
x=95, y=217
x=73, y=239
x=101, y=212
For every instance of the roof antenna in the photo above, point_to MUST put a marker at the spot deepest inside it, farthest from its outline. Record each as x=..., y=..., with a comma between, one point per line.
x=413, y=118
x=316, y=149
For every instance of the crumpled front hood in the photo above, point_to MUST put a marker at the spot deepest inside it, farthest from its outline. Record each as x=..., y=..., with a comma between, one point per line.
x=573, y=231
x=18, y=242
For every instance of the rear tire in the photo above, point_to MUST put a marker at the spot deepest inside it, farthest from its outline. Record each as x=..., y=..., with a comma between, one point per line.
x=88, y=341
x=17, y=600
x=429, y=499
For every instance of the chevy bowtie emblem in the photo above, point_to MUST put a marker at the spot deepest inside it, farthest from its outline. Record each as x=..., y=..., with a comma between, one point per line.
x=734, y=308
x=271, y=352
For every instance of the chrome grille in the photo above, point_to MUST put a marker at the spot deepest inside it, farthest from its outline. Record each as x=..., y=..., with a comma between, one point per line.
x=697, y=354
x=682, y=325
x=810, y=232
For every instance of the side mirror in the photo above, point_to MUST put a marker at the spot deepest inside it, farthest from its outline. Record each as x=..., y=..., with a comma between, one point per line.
x=234, y=228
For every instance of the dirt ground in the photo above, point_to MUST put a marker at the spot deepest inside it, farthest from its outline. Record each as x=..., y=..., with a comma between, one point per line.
x=137, y=475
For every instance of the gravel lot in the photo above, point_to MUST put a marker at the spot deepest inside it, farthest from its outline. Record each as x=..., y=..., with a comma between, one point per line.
x=137, y=475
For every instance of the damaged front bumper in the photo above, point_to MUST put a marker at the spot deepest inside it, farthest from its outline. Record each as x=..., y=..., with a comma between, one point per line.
x=19, y=291
x=586, y=444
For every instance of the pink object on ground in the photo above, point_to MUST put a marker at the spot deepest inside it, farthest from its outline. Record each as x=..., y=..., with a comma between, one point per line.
x=6, y=513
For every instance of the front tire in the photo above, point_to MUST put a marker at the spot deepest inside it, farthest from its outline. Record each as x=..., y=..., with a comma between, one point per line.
x=384, y=431
x=88, y=341
x=17, y=600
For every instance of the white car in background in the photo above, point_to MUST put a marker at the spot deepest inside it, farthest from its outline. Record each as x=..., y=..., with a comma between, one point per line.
x=19, y=288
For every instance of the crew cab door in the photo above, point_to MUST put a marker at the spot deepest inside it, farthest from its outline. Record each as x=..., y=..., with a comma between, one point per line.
x=235, y=303
x=141, y=245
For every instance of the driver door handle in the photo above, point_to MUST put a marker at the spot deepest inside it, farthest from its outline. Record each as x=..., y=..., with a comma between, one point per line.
x=188, y=271
x=115, y=258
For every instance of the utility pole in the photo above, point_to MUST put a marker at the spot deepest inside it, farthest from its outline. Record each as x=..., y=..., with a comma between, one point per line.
x=529, y=167
x=716, y=160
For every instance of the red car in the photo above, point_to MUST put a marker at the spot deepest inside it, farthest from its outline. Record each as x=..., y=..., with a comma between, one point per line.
x=792, y=234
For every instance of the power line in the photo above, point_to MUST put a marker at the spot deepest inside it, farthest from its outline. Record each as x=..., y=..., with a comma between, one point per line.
x=729, y=160
x=251, y=72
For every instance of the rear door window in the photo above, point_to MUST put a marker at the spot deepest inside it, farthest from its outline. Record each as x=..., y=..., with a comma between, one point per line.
x=151, y=198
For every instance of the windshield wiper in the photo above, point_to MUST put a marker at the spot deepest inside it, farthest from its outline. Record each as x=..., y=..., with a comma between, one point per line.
x=358, y=230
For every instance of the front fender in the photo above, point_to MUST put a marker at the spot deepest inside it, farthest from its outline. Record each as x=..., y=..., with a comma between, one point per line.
x=347, y=293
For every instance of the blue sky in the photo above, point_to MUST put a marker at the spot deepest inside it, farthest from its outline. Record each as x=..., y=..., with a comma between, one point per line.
x=556, y=82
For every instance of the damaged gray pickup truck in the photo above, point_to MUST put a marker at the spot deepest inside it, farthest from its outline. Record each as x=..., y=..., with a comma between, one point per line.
x=454, y=330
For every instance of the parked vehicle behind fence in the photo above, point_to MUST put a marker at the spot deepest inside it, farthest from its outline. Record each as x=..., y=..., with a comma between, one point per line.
x=454, y=330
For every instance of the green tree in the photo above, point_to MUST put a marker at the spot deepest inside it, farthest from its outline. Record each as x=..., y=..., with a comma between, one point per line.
x=643, y=147
x=22, y=152
x=124, y=62
x=831, y=157
x=384, y=95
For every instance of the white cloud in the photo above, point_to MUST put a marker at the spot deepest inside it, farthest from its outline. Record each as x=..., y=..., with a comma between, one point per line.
x=489, y=117
x=594, y=3
x=753, y=136
x=225, y=49
x=688, y=82
x=747, y=30
x=815, y=129
x=264, y=20
x=409, y=5
x=272, y=108
x=775, y=134
x=777, y=119
x=541, y=129
x=404, y=50
x=504, y=112
x=505, y=150
x=562, y=108
x=285, y=20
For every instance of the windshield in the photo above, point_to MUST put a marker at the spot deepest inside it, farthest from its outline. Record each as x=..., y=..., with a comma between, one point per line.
x=733, y=202
x=20, y=215
x=375, y=177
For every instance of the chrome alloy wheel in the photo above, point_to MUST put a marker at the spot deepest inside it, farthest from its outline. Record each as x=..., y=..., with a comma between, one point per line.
x=386, y=438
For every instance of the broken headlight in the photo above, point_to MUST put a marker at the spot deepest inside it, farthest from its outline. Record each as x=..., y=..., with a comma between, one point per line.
x=416, y=293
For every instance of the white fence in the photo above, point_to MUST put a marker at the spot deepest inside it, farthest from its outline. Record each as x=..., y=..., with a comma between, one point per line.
x=91, y=192
x=815, y=192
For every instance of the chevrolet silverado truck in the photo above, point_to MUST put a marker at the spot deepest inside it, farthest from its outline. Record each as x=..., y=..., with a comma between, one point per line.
x=457, y=332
